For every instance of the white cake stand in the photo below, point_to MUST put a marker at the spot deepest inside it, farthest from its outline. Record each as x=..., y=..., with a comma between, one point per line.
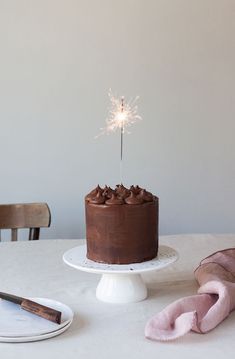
x=120, y=283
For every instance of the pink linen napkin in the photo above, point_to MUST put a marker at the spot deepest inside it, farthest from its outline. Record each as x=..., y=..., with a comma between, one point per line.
x=204, y=311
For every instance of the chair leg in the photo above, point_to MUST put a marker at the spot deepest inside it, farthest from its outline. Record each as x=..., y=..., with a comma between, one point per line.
x=36, y=233
x=30, y=234
x=14, y=233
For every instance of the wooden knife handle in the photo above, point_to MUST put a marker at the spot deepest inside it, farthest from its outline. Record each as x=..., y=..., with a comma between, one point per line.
x=41, y=310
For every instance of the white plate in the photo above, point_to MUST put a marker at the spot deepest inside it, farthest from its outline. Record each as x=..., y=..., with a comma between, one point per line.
x=35, y=337
x=17, y=322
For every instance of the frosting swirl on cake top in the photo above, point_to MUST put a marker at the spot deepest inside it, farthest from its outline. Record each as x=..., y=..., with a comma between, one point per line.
x=119, y=196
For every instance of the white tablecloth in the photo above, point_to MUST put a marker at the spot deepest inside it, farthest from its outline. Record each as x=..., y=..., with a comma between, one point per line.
x=102, y=330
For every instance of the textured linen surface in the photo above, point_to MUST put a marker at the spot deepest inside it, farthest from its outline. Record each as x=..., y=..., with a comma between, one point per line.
x=204, y=311
x=109, y=331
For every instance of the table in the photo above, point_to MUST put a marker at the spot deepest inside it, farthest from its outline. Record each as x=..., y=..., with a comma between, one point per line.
x=102, y=330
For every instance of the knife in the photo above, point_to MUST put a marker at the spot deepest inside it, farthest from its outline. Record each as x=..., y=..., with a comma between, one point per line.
x=45, y=312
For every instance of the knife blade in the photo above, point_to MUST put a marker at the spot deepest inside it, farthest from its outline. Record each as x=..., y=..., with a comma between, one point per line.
x=33, y=307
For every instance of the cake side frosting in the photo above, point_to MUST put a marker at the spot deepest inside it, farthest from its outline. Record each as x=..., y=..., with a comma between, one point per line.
x=121, y=225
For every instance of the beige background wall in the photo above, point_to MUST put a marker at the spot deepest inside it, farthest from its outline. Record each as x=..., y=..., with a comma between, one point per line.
x=58, y=60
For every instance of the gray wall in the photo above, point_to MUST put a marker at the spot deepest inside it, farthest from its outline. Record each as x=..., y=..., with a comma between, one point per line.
x=58, y=60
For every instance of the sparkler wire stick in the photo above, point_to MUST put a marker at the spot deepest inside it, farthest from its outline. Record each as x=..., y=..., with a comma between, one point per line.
x=121, y=116
x=122, y=132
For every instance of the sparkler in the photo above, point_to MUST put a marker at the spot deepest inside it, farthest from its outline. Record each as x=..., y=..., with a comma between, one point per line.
x=122, y=115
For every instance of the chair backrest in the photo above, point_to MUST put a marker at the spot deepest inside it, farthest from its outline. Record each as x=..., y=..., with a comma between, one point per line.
x=24, y=215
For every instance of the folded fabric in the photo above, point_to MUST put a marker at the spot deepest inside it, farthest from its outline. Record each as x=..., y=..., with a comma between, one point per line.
x=204, y=311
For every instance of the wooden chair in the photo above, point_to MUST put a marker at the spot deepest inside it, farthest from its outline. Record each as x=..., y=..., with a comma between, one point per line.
x=26, y=215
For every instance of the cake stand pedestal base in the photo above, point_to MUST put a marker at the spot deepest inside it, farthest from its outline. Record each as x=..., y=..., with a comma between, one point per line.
x=121, y=288
x=120, y=283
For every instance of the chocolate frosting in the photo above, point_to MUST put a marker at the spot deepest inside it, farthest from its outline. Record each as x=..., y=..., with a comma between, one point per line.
x=120, y=195
x=108, y=191
x=98, y=198
x=145, y=196
x=114, y=200
x=133, y=199
x=93, y=193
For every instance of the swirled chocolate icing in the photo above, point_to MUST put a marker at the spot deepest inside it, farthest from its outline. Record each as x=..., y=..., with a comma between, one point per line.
x=119, y=195
x=121, y=225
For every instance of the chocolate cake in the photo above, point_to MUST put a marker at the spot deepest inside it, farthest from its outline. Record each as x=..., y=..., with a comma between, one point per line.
x=121, y=225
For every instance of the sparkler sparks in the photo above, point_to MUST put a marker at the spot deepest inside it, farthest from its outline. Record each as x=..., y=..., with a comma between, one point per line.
x=122, y=114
